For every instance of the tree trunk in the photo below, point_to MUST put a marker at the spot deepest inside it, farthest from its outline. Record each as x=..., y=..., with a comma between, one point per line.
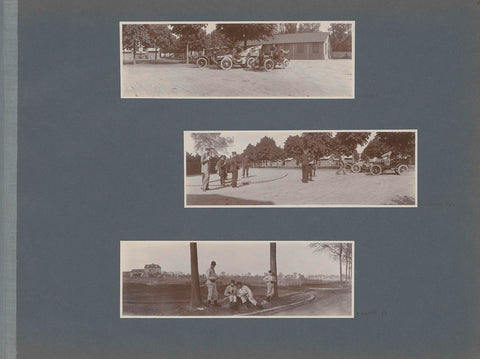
x=187, y=54
x=156, y=51
x=134, y=50
x=273, y=266
x=195, y=299
x=340, y=261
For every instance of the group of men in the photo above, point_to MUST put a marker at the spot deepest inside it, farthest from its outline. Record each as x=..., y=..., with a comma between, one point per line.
x=309, y=166
x=236, y=292
x=223, y=167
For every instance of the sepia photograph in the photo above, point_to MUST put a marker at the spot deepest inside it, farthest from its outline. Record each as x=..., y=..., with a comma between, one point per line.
x=224, y=279
x=367, y=168
x=283, y=59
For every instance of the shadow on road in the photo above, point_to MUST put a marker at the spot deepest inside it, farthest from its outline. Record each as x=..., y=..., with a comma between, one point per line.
x=219, y=200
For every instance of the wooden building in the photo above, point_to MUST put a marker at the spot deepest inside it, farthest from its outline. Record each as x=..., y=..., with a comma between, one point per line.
x=302, y=46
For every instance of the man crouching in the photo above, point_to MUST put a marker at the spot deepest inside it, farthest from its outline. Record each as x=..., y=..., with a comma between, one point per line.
x=245, y=294
x=231, y=294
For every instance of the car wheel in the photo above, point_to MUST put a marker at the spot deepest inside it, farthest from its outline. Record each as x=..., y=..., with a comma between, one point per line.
x=376, y=170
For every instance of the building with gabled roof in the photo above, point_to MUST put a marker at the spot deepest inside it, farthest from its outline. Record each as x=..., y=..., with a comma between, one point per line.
x=301, y=45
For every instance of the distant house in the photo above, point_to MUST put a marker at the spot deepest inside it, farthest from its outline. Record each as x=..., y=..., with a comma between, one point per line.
x=291, y=162
x=149, y=270
x=301, y=46
x=152, y=270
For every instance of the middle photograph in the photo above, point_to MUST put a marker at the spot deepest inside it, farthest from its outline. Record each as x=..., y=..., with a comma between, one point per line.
x=325, y=168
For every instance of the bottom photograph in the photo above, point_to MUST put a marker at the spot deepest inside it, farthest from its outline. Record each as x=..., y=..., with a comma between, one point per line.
x=244, y=279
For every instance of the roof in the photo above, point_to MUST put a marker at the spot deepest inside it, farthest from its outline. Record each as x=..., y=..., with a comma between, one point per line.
x=292, y=38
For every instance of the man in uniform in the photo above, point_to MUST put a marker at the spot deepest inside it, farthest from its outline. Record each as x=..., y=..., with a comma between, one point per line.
x=245, y=166
x=222, y=170
x=245, y=294
x=231, y=293
x=234, y=169
x=205, y=168
x=304, y=161
x=212, y=284
x=270, y=279
x=341, y=169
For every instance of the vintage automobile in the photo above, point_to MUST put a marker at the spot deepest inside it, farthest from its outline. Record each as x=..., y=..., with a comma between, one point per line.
x=360, y=166
x=398, y=164
x=236, y=57
x=268, y=60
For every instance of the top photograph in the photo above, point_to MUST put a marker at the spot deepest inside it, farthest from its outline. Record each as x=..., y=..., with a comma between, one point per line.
x=238, y=60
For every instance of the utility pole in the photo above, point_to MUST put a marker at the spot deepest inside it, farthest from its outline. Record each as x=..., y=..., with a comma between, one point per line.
x=195, y=299
x=273, y=266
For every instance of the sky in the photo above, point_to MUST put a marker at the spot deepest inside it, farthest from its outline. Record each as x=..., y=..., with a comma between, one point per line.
x=243, y=138
x=232, y=257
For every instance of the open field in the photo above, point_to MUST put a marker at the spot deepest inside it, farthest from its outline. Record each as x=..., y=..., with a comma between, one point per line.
x=160, y=299
x=303, y=78
x=272, y=186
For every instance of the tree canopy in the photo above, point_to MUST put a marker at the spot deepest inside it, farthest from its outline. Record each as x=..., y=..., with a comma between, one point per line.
x=341, y=36
x=246, y=32
x=402, y=143
x=211, y=140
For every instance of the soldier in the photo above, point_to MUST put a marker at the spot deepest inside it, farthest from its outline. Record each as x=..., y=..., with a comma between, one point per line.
x=245, y=294
x=270, y=280
x=222, y=169
x=310, y=166
x=234, y=169
x=231, y=293
x=212, y=284
x=245, y=166
x=304, y=161
x=205, y=168
x=342, y=165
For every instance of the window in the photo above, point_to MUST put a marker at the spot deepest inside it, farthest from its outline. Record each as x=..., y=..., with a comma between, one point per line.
x=300, y=48
x=315, y=47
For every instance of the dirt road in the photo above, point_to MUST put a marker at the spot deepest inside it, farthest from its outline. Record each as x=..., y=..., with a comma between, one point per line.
x=270, y=187
x=303, y=78
x=326, y=303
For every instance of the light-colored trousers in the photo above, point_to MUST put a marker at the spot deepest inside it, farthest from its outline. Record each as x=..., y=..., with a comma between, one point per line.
x=252, y=300
x=270, y=289
x=212, y=290
x=205, y=180
x=232, y=298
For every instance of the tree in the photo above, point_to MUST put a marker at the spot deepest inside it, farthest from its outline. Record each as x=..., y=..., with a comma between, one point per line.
x=134, y=36
x=196, y=300
x=217, y=40
x=190, y=35
x=211, y=140
x=294, y=146
x=251, y=153
x=400, y=143
x=318, y=143
x=159, y=37
x=246, y=32
x=273, y=266
x=341, y=36
x=286, y=28
x=267, y=150
x=336, y=251
x=309, y=27
x=347, y=142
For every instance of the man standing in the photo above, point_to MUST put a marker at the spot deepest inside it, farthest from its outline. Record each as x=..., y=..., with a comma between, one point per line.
x=342, y=165
x=245, y=166
x=305, y=164
x=222, y=170
x=205, y=168
x=212, y=284
x=234, y=169
x=270, y=279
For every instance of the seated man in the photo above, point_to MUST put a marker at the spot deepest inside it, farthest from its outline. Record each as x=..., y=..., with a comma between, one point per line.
x=231, y=293
x=245, y=294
